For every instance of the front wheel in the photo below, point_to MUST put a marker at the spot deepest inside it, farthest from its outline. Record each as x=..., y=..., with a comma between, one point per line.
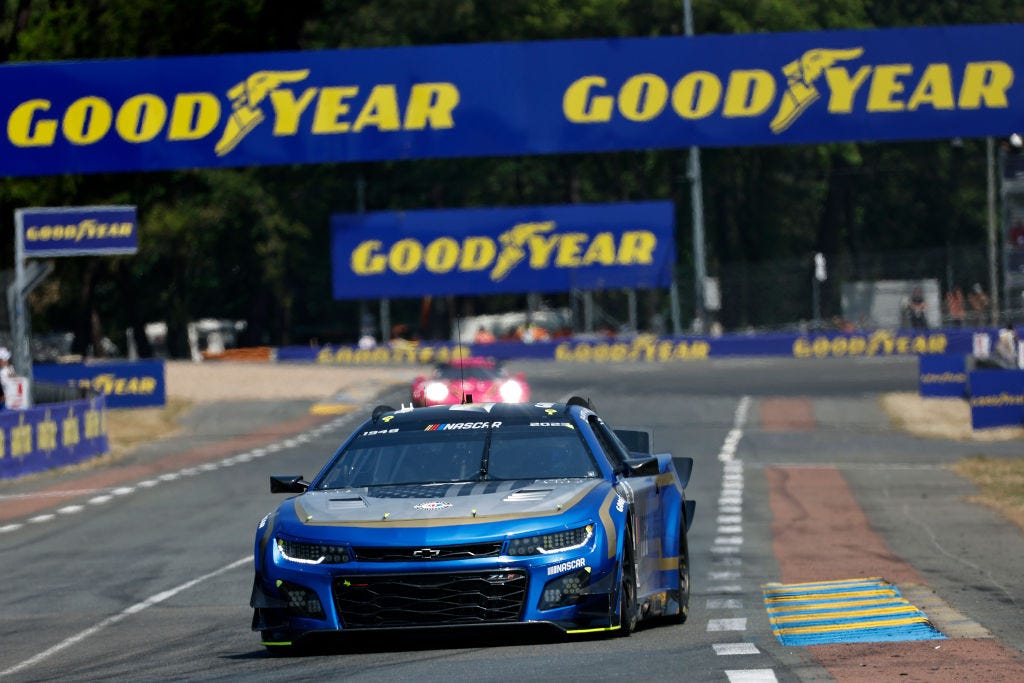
x=627, y=592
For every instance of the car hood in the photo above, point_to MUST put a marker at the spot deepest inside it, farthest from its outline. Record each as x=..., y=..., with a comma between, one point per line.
x=443, y=503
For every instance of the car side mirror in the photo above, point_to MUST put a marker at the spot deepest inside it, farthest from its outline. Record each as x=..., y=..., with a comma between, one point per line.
x=287, y=483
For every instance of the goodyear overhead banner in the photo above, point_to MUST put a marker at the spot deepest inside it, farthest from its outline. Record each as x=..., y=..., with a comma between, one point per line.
x=489, y=251
x=510, y=99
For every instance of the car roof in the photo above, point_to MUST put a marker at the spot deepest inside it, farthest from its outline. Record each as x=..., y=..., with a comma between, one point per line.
x=470, y=362
x=478, y=411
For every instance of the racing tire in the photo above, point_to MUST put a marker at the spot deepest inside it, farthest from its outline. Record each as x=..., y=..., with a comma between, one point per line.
x=684, y=578
x=628, y=616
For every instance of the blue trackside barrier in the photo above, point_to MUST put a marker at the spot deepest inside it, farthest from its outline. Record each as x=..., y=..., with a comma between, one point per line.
x=52, y=435
x=126, y=384
x=649, y=348
x=943, y=375
x=996, y=398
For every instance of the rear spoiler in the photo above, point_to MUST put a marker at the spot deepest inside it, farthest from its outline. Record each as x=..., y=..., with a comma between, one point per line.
x=636, y=440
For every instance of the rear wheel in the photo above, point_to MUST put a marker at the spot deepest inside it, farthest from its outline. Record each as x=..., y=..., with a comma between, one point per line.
x=627, y=591
x=684, y=577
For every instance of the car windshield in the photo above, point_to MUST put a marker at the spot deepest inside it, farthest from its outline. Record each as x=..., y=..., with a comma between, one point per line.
x=472, y=372
x=461, y=451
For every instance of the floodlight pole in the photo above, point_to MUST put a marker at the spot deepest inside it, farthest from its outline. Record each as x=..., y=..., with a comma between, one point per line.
x=697, y=204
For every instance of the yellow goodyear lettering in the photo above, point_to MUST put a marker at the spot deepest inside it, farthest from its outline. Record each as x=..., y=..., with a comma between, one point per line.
x=46, y=433
x=93, y=423
x=21, y=438
x=644, y=348
x=534, y=245
x=879, y=343
x=332, y=109
x=70, y=430
x=819, y=73
x=3, y=443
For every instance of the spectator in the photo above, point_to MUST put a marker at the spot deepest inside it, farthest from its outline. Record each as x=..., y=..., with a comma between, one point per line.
x=916, y=309
x=483, y=336
x=955, y=307
x=1006, y=348
x=977, y=302
x=7, y=373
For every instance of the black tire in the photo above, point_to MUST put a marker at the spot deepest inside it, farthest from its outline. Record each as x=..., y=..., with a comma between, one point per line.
x=684, y=577
x=628, y=616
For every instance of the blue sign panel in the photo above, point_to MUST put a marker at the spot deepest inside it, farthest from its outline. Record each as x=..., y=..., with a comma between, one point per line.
x=942, y=375
x=78, y=231
x=126, y=384
x=997, y=398
x=510, y=99
x=490, y=251
x=648, y=348
x=49, y=436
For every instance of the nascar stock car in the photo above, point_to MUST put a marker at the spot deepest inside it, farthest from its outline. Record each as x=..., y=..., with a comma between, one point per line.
x=476, y=515
x=476, y=377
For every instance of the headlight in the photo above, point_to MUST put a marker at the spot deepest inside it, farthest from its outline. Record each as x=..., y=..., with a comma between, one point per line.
x=555, y=542
x=436, y=391
x=511, y=391
x=312, y=553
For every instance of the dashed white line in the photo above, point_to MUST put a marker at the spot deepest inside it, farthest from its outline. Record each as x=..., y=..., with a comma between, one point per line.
x=724, y=603
x=730, y=588
x=751, y=676
x=100, y=500
x=123, y=490
x=9, y=527
x=723, y=576
x=732, y=624
x=41, y=518
x=726, y=649
x=70, y=509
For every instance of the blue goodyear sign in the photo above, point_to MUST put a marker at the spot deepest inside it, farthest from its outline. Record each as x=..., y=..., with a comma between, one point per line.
x=510, y=99
x=49, y=436
x=942, y=375
x=491, y=251
x=997, y=398
x=648, y=348
x=78, y=231
x=126, y=384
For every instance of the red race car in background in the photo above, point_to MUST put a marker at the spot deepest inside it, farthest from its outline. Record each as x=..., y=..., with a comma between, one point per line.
x=480, y=378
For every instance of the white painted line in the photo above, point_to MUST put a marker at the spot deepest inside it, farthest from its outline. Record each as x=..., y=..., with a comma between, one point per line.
x=730, y=529
x=110, y=621
x=291, y=443
x=728, y=540
x=170, y=476
x=100, y=500
x=257, y=452
x=738, y=624
x=729, y=519
x=724, y=603
x=751, y=676
x=730, y=509
x=272, y=448
x=723, y=576
x=9, y=527
x=725, y=549
x=246, y=457
x=188, y=471
x=123, y=490
x=38, y=519
x=209, y=467
x=70, y=509
x=735, y=649
x=728, y=561
x=721, y=590
x=148, y=483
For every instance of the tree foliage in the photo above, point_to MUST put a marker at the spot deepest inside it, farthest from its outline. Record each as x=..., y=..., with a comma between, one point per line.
x=251, y=243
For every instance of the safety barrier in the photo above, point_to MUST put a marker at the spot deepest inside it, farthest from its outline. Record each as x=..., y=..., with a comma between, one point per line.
x=52, y=435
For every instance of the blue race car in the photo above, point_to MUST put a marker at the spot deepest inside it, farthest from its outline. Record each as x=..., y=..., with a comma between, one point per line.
x=477, y=515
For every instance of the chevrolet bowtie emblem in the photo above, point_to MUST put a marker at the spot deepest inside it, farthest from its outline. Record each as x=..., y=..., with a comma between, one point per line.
x=427, y=553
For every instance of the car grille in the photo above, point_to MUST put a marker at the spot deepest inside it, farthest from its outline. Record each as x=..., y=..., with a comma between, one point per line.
x=411, y=600
x=415, y=553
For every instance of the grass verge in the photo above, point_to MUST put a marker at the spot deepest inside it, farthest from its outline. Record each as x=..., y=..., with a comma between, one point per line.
x=129, y=428
x=1001, y=481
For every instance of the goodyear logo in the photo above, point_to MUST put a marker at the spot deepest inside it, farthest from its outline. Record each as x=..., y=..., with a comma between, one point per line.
x=76, y=232
x=1000, y=400
x=838, y=76
x=111, y=384
x=277, y=96
x=877, y=343
x=537, y=245
x=943, y=377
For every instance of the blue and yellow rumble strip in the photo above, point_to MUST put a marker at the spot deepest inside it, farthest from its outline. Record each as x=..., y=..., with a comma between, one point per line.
x=848, y=611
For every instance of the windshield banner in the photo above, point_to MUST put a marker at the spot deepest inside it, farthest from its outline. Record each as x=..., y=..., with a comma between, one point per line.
x=511, y=98
x=508, y=250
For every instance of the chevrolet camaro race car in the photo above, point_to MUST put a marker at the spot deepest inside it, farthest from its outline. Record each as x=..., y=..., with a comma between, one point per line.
x=477, y=515
x=479, y=378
